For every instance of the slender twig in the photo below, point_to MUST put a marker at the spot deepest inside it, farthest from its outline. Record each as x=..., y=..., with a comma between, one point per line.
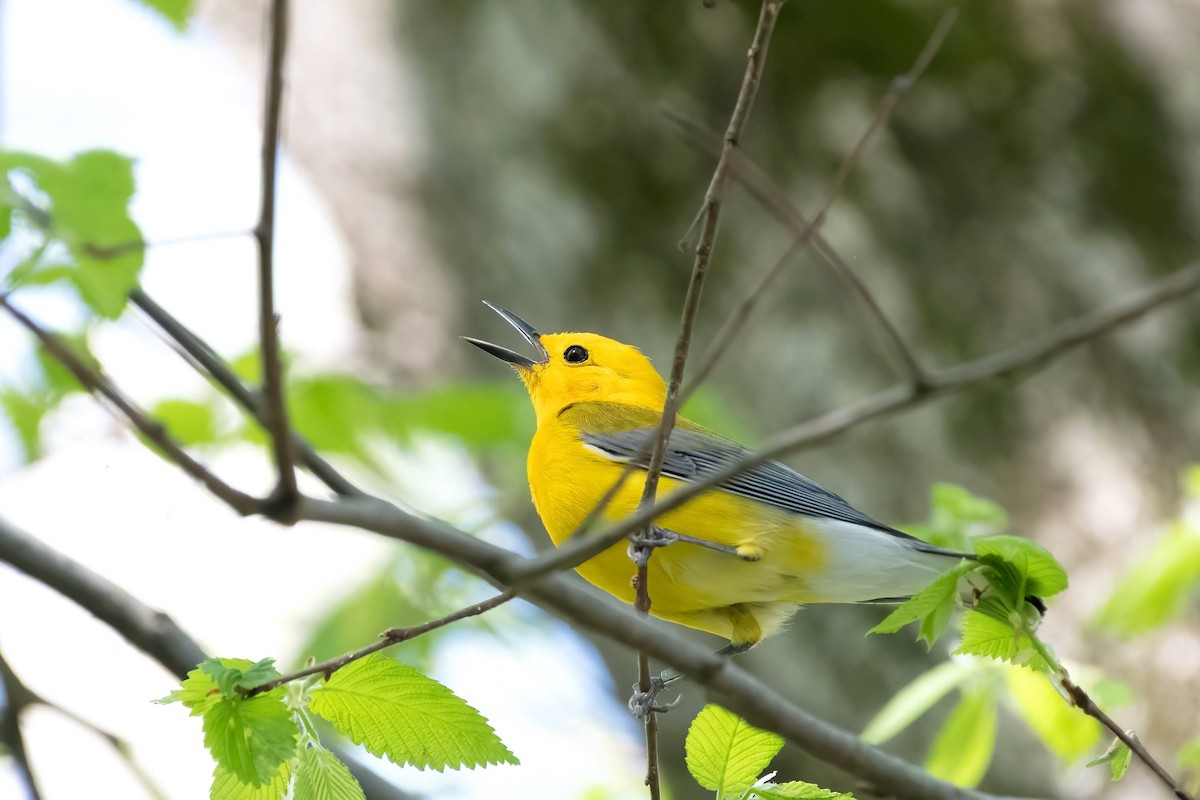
x=391, y=636
x=107, y=251
x=149, y=630
x=206, y=361
x=731, y=686
x=264, y=234
x=98, y=384
x=17, y=697
x=710, y=216
x=1084, y=703
x=1026, y=358
x=775, y=201
x=883, y=112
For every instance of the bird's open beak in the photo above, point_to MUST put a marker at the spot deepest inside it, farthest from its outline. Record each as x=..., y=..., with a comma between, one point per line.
x=503, y=353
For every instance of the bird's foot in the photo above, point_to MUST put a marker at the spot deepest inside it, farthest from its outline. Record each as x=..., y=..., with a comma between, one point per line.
x=644, y=542
x=643, y=704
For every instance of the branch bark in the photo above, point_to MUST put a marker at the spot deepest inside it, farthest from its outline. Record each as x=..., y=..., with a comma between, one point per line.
x=264, y=235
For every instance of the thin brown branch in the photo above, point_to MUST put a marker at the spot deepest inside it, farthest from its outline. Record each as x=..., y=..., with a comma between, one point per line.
x=883, y=112
x=1084, y=703
x=392, y=636
x=710, y=216
x=586, y=607
x=98, y=384
x=1025, y=358
x=264, y=234
x=207, y=362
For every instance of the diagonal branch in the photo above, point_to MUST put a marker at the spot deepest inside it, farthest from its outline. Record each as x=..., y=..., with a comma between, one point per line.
x=567, y=598
x=17, y=697
x=883, y=112
x=392, y=636
x=710, y=214
x=206, y=361
x=264, y=234
x=1016, y=361
x=96, y=383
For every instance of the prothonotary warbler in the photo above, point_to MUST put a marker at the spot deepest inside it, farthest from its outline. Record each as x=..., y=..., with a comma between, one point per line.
x=750, y=552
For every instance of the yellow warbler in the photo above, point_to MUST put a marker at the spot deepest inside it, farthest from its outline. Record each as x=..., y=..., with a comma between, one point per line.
x=750, y=551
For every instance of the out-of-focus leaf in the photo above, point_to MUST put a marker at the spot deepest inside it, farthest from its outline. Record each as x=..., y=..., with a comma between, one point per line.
x=708, y=409
x=176, y=12
x=480, y=414
x=5, y=220
x=725, y=753
x=1109, y=694
x=25, y=413
x=1157, y=588
x=188, y=421
x=963, y=749
x=334, y=412
x=915, y=699
x=1065, y=730
x=58, y=378
x=956, y=516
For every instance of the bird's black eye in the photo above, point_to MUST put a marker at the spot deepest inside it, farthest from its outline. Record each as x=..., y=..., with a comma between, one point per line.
x=575, y=354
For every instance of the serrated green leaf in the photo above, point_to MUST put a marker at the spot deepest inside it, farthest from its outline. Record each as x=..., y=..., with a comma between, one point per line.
x=1158, y=587
x=321, y=776
x=932, y=606
x=188, y=422
x=226, y=786
x=985, y=635
x=395, y=711
x=725, y=753
x=251, y=738
x=796, y=790
x=1044, y=576
x=229, y=675
x=176, y=12
x=1064, y=729
x=1117, y=756
x=915, y=699
x=962, y=751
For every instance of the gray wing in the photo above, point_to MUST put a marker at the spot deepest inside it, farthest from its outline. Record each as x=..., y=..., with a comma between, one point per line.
x=696, y=455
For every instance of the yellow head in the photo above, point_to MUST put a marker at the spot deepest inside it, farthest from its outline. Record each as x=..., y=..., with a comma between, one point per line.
x=579, y=367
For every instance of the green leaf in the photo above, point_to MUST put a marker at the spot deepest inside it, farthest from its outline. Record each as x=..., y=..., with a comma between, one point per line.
x=395, y=711
x=796, y=790
x=915, y=699
x=1158, y=587
x=956, y=515
x=334, y=412
x=251, y=738
x=1117, y=756
x=1064, y=729
x=229, y=675
x=1188, y=756
x=481, y=415
x=25, y=413
x=176, y=12
x=5, y=221
x=1043, y=575
x=226, y=786
x=725, y=753
x=321, y=776
x=932, y=606
x=188, y=422
x=963, y=749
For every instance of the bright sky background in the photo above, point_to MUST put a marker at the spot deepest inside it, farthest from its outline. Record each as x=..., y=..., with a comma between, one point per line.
x=80, y=74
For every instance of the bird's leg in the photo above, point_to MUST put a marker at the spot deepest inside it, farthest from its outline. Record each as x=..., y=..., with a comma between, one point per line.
x=640, y=544
x=643, y=703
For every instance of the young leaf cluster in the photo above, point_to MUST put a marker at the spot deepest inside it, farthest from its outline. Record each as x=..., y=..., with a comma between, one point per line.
x=265, y=744
x=727, y=755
